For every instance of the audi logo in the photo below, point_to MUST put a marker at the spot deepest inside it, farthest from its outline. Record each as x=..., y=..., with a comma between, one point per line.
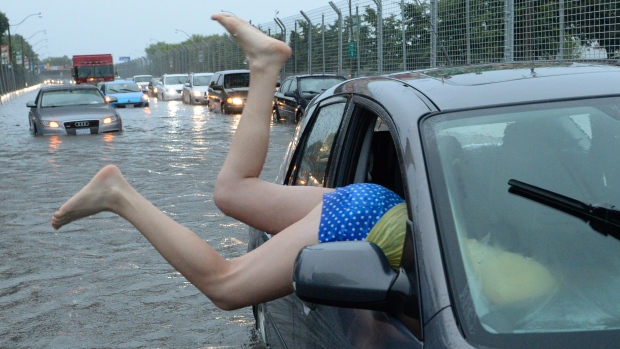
x=81, y=124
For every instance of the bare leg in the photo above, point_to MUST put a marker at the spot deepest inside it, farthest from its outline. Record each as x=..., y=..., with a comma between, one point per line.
x=260, y=275
x=239, y=192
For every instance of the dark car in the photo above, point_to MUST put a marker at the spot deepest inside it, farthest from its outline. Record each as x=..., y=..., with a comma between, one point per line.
x=295, y=92
x=228, y=90
x=511, y=176
x=151, y=88
x=72, y=110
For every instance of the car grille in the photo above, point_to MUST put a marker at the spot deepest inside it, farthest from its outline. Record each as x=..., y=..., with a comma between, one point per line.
x=81, y=124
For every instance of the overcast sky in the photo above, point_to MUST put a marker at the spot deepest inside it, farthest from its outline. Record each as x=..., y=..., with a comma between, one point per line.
x=125, y=27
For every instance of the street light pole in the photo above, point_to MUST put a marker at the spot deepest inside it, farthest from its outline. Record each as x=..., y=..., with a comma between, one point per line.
x=192, y=41
x=32, y=36
x=15, y=25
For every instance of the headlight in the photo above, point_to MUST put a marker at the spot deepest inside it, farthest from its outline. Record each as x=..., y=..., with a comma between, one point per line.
x=197, y=93
x=52, y=124
x=144, y=97
x=171, y=91
x=154, y=89
x=109, y=119
x=235, y=101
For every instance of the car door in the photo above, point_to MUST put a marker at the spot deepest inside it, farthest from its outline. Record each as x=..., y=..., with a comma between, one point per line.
x=343, y=143
x=278, y=98
x=289, y=101
x=215, y=96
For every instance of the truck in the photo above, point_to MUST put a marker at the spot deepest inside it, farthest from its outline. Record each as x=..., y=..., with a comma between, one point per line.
x=92, y=69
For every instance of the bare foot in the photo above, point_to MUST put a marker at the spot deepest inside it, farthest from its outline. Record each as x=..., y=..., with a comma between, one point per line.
x=97, y=196
x=263, y=52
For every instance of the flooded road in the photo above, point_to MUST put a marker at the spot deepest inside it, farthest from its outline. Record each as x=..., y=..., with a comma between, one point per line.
x=97, y=283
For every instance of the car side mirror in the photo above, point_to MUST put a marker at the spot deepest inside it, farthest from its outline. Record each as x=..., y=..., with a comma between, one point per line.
x=350, y=274
x=187, y=84
x=290, y=94
x=31, y=104
x=217, y=87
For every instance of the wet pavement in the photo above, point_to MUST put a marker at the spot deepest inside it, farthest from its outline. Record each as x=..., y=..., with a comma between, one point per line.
x=97, y=283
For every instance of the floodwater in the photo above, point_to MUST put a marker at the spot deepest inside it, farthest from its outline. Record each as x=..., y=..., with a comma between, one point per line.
x=97, y=283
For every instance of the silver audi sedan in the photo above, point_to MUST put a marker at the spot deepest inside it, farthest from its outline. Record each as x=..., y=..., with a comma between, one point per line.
x=72, y=110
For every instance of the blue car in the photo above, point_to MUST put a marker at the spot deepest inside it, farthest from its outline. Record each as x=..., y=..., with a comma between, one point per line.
x=128, y=94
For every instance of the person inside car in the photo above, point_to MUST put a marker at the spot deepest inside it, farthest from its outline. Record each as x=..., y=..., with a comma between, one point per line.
x=292, y=214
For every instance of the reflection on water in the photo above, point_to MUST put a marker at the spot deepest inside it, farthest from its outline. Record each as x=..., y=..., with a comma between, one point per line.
x=55, y=143
x=97, y=282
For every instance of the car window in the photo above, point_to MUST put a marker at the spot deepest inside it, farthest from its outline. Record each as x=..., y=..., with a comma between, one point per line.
x=175, y=80
x=123, y=88
x=317, y=85
x=237, y=80
x=516, y=255
x=293, y=86
x=317, y=149
x=202, y=80
x=63, y=98
x=285, y=85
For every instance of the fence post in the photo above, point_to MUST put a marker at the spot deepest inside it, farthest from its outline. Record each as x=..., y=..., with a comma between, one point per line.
x=468, y=30
x=434, y=34
x=379, y=36
x=509, y=31
x=323, y=39
x=562, y=27
x=283, y=28
x=310, y=27
x=339, y=36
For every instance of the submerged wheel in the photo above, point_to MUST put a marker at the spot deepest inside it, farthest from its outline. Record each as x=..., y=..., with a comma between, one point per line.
x=224, y=109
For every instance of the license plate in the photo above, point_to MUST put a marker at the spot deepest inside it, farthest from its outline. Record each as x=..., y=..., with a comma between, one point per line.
x=129, y=106
x=82, y=131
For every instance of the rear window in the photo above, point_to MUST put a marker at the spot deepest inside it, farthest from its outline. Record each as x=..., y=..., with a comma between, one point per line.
x=237, y=80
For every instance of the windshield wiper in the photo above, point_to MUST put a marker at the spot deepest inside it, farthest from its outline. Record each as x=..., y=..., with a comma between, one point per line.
x=604, y=218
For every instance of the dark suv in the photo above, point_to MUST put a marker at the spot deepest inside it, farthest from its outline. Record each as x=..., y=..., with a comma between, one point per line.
x=295, y=92
x=512, y=182
x=228, y=90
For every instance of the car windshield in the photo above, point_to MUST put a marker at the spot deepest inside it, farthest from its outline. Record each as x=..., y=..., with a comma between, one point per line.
x=317, y=85
x=63, y=98
x=123, y=88
x=175, y=80
x=520, y=262
x=202, y=80
x=145, y=78
x=237, y=80
x=95, y=71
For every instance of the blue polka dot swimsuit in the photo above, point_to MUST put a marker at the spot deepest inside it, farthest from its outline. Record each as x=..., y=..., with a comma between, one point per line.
x=350, y=212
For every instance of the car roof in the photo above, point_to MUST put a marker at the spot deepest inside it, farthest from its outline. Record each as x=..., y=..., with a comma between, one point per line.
x=496, y=84
x=201, y=74
x=301, y=76
x=234, y=71
x=476, y=86
x=68, y=87
x=118, y=82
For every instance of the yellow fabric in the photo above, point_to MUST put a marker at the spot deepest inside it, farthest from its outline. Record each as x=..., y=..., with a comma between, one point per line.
x=507, y=277
x=389, y=234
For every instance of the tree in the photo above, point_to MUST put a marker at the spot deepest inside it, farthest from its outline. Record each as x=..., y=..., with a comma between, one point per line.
x=4, y=24
x=595, y=21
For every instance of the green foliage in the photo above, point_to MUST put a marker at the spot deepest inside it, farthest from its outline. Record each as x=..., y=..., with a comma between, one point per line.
x=4, y=24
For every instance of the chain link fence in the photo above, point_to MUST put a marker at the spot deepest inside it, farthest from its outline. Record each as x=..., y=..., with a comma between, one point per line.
x=373, y=37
